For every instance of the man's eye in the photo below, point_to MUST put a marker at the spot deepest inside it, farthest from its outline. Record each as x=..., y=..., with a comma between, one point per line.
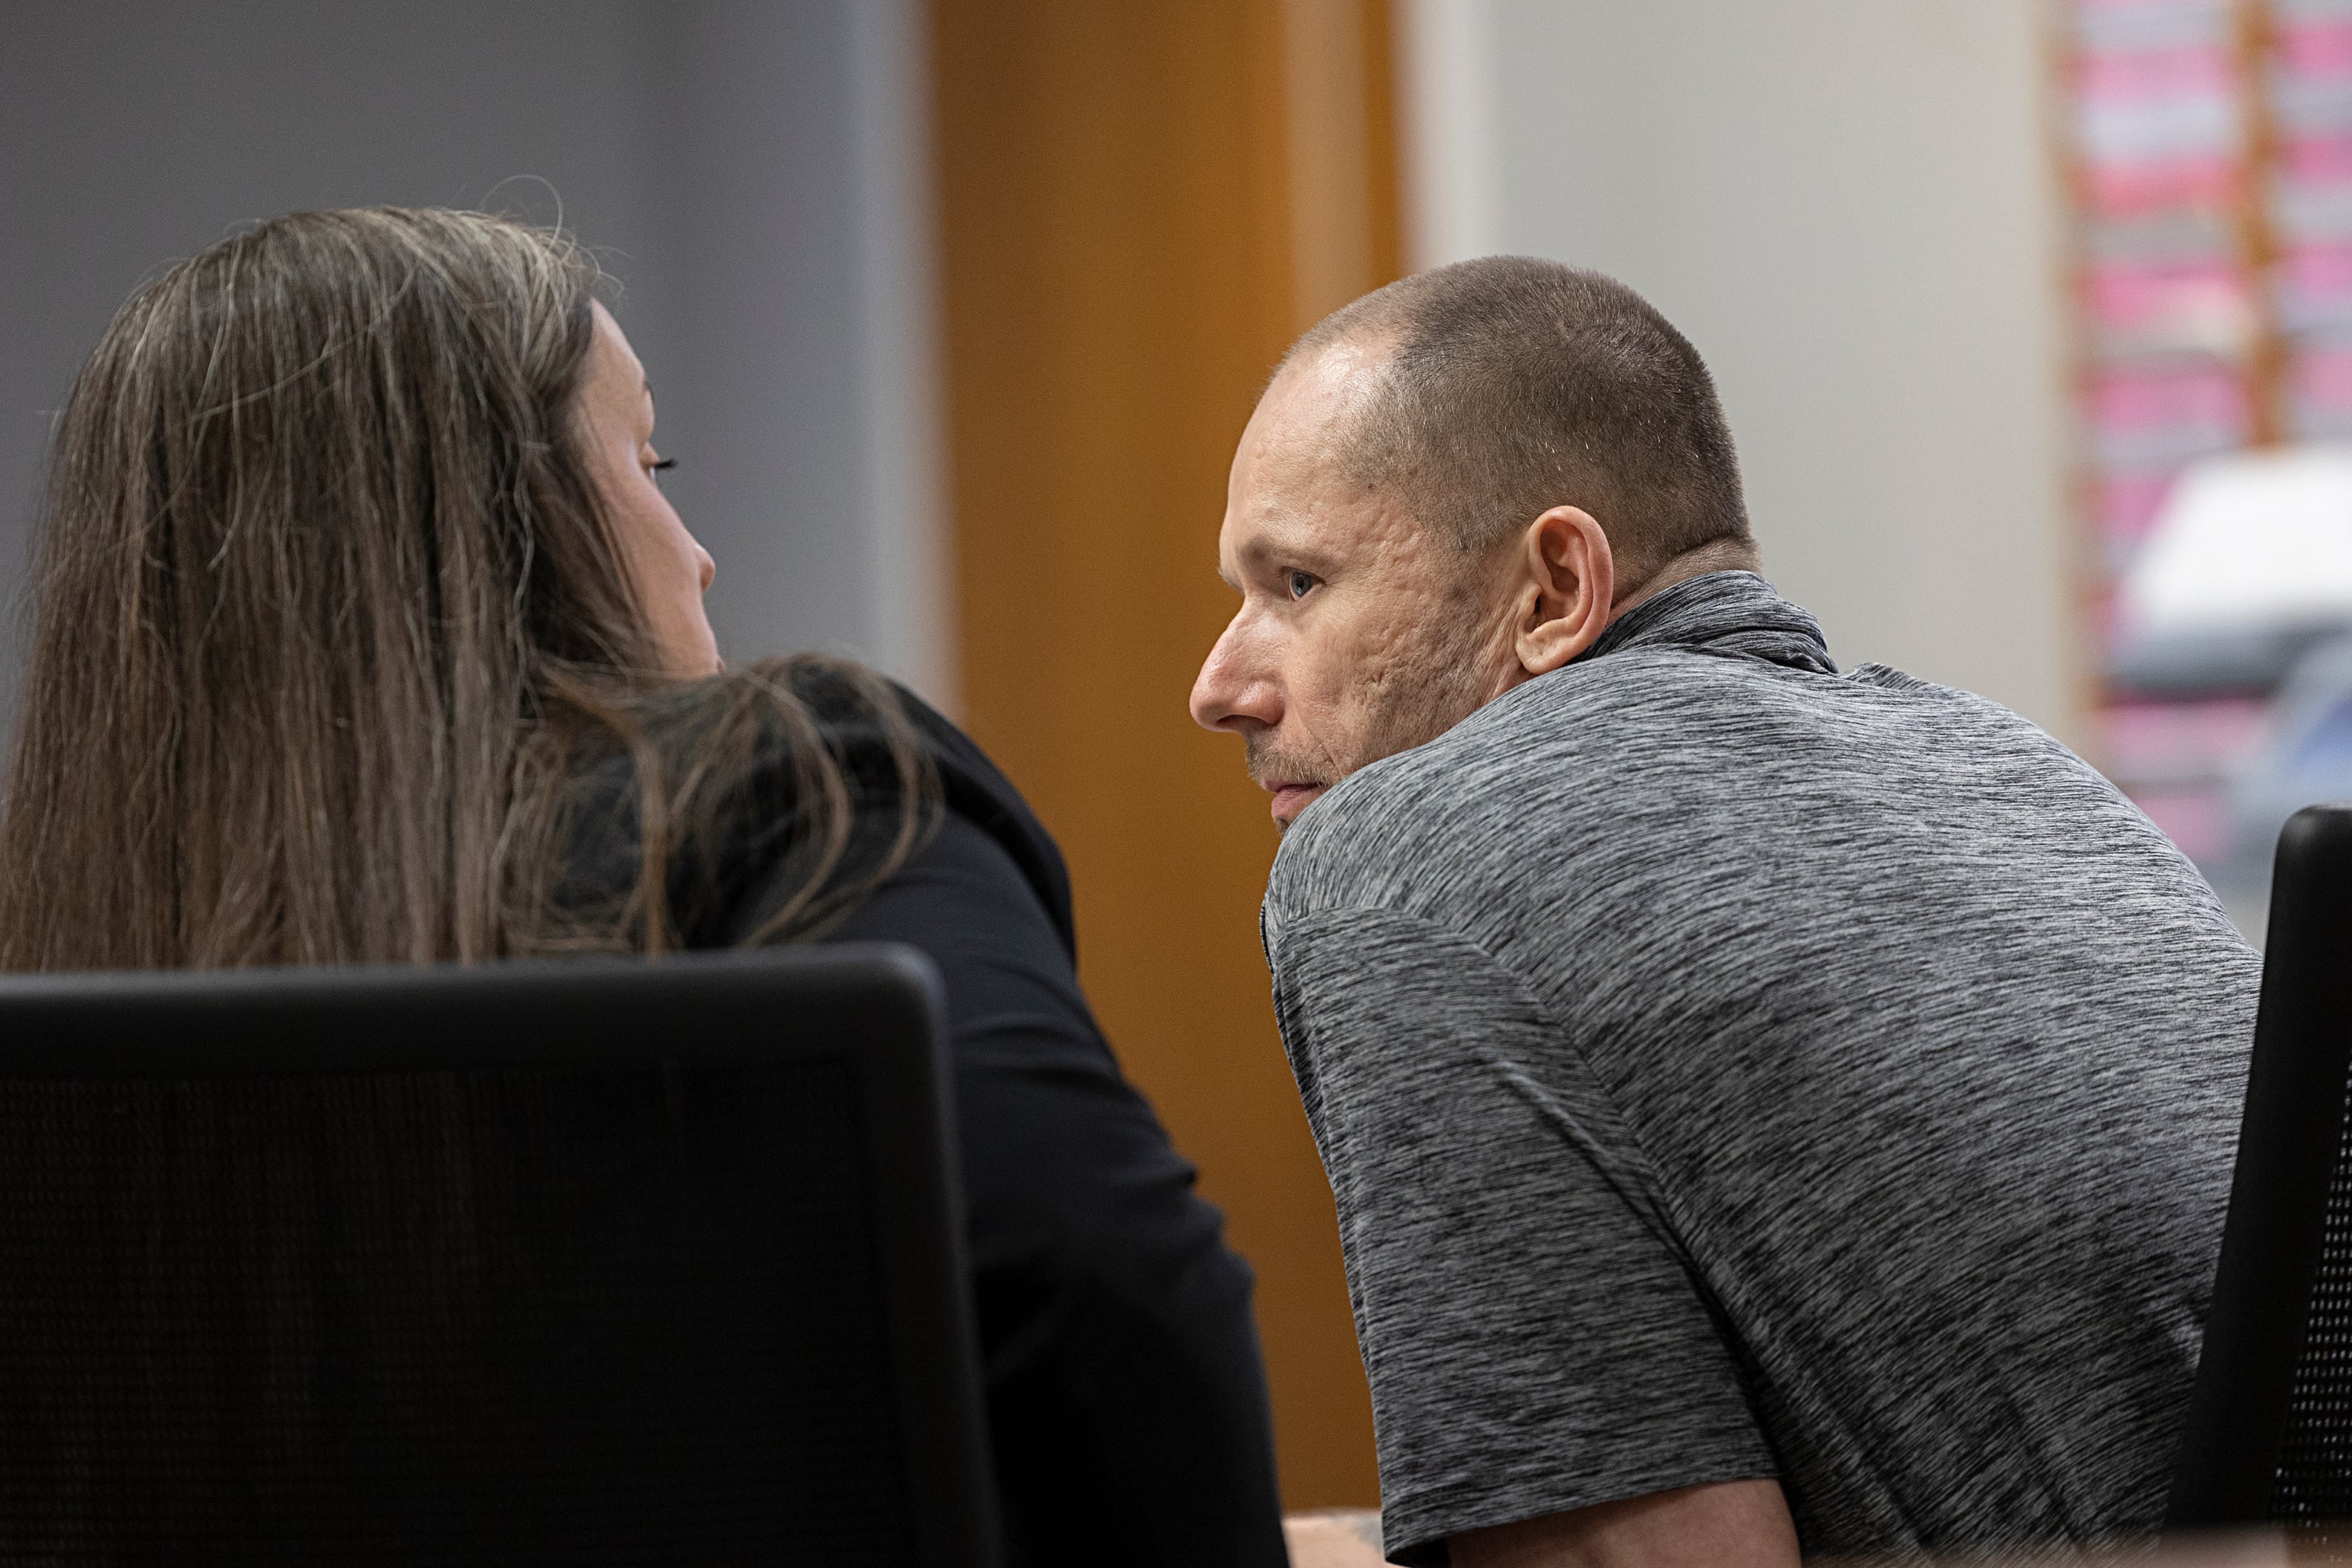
x=1298, y=582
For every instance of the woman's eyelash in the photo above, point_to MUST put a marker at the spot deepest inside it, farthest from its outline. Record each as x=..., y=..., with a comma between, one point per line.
x=664, y=463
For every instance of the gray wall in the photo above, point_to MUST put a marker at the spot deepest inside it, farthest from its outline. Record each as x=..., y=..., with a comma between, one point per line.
x=1848, y=205
x=720, y=155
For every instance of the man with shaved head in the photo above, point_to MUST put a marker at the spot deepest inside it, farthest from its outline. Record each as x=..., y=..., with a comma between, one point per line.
x=1772, y=1109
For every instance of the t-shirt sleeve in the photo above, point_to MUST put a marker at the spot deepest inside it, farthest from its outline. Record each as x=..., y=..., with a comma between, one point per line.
x=1535, y=1339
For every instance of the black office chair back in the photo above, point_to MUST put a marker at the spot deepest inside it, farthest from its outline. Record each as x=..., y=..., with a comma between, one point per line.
x=592, y=1263
x=2268, y=1438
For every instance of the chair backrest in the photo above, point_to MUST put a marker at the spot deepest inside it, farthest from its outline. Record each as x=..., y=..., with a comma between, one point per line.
x=2268, y=1437
x=588, y=1262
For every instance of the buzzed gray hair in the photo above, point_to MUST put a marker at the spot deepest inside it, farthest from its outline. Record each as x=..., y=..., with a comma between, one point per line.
x=1515, y=385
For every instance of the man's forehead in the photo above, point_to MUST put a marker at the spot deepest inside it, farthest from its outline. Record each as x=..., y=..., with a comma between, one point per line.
x=1324, y=520
x=1265, y=522
x=1323, y=393
x=1302, y=435
x=1274, y=534
x=1293, y=461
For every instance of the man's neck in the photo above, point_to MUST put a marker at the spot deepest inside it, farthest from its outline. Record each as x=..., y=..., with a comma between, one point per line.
x=1716, y=555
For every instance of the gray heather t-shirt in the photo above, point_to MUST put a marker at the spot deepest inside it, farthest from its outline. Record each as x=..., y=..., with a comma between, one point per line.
x=1727, y=1068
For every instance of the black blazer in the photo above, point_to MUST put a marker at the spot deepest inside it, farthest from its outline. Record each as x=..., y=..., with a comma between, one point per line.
x=1126, y=1396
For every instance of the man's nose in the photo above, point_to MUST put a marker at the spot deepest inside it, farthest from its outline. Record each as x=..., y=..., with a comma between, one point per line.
x=1231, y=693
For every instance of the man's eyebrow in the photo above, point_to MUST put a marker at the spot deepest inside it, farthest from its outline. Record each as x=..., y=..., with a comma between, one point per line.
x=1264, y=551
x=1257, y=552
x=1247, y=556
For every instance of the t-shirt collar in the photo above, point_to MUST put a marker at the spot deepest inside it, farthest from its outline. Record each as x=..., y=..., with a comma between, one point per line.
x=1722, y=611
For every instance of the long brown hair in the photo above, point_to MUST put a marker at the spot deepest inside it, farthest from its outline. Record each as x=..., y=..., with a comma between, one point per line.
x=334, y=640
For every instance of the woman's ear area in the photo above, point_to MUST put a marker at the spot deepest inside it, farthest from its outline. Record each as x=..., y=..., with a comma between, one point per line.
x=1567, y=583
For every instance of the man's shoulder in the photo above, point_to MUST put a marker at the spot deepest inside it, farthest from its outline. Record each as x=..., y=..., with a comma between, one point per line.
x=1400, y=832
x=1616, y=749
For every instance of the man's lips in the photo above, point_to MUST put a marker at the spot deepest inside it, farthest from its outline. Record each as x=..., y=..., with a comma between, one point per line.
x=1290, y=797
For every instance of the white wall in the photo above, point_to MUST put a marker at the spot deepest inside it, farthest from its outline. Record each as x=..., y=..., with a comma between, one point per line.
x=798, y=271
x=750, y=171
x=1847, y=205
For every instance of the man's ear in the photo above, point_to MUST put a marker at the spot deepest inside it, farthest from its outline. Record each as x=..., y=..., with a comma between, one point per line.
x=1569, y=581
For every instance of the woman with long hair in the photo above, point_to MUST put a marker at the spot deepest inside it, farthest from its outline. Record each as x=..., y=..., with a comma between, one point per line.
x=363, y=633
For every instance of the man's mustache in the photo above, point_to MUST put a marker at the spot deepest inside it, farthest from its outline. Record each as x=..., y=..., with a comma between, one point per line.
x=1268, y=764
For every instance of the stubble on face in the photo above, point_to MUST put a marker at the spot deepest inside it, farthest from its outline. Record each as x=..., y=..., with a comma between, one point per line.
x=1410, y=679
